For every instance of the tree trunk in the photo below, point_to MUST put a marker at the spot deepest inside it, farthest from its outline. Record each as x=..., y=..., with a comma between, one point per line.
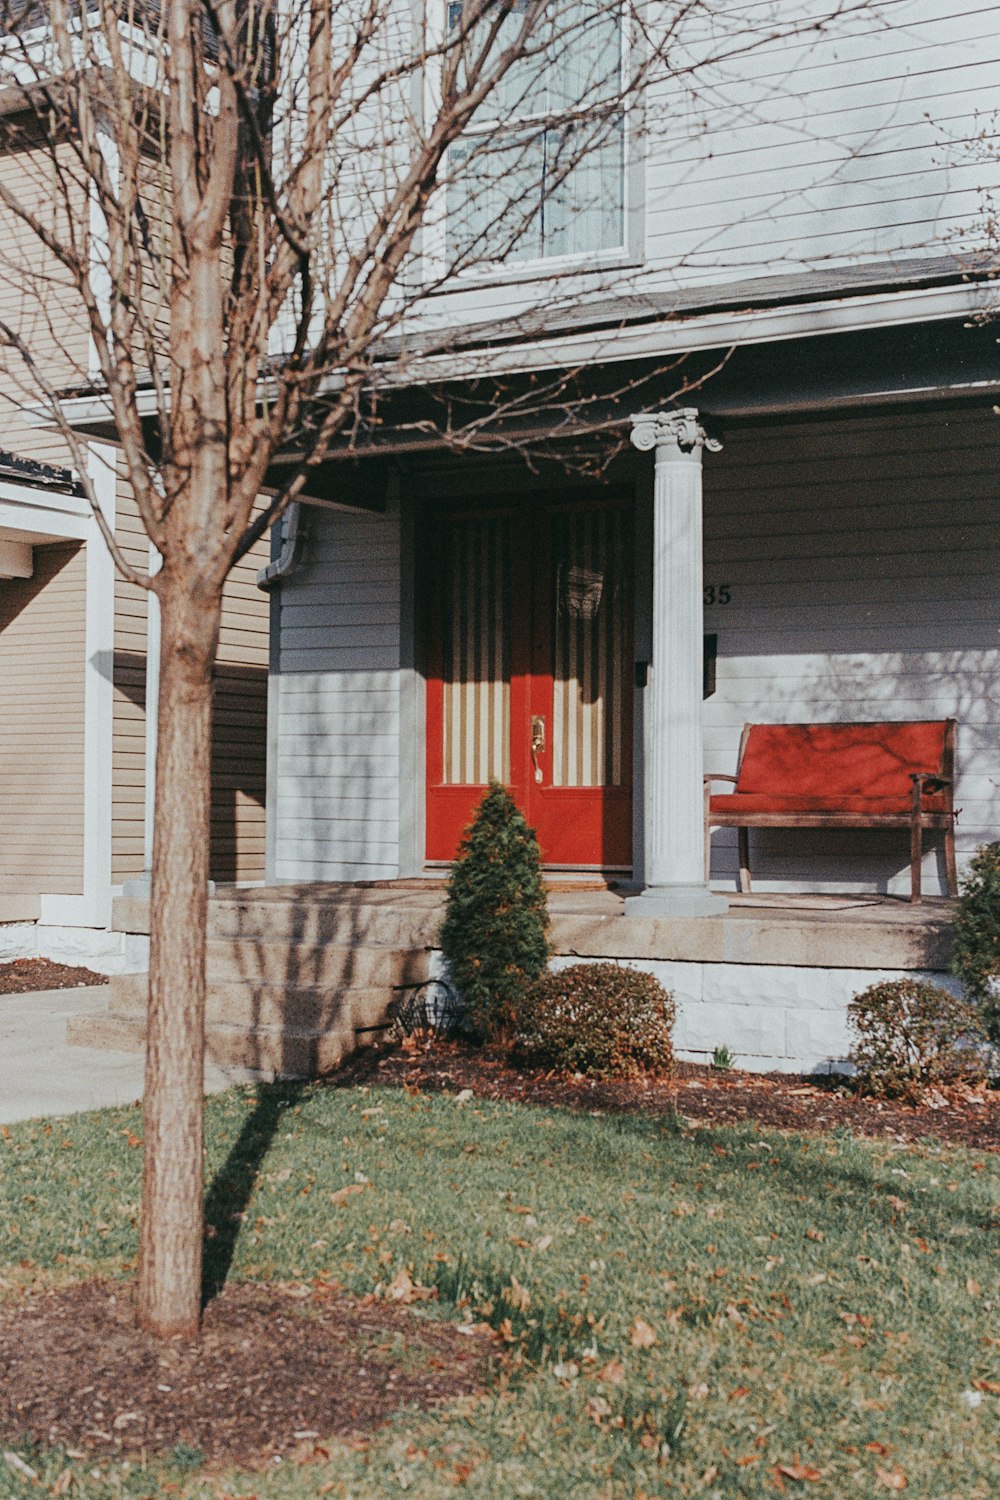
x=172, y=1199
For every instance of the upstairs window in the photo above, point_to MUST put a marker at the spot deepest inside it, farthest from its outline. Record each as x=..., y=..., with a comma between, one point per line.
x=540, y=172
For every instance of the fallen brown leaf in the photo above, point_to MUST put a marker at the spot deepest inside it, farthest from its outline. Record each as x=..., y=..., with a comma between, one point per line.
x=402, y=1288
x=598, y=1408
x=643, y=1334
x=804, y=1473
x=517, y=1295
x=893, y=1479
x=340, y=1197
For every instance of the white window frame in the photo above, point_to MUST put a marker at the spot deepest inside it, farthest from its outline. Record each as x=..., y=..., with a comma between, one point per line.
x=434, y=236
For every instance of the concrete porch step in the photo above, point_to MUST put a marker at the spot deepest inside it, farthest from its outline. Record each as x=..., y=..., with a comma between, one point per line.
x=291, y=977
x=302, y=965
x=243, y=1003
x=283, y=1048
x=354, y=918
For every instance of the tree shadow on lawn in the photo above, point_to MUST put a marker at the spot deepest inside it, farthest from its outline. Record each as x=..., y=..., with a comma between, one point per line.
x=803, y=1166
x=233, y=1184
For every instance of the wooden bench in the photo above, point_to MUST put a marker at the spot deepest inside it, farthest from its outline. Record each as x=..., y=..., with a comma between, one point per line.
x=842, y=776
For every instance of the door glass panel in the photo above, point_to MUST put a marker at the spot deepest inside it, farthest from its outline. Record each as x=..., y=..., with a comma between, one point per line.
x=476, y=656
x=590, y=605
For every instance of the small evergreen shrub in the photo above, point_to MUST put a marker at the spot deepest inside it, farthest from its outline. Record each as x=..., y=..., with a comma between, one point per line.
x=976, y=960
x=495, y=931
x=601, y=1019
x=911, y=1035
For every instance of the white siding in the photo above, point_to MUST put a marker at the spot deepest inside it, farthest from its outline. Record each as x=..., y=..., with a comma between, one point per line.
x=863, y=558
x=828, y=150
x=338, y=700
x=783, y=152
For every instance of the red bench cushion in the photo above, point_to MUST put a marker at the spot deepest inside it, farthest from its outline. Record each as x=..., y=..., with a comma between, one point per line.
x=837, y=763
x=769, y=802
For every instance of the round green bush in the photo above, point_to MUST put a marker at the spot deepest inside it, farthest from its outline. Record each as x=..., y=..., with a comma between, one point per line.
x=604, y=1020
x=977, y=937
x=911, y=1035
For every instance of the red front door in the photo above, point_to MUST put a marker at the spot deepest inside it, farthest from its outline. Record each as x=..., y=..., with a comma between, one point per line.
x=530, y=673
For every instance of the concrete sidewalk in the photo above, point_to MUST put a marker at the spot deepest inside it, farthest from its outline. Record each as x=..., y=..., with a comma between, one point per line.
x=40, y=1074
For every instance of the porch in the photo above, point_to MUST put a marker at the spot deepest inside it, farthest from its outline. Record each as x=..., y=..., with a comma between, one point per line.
x=564, y=635
x=296, y=972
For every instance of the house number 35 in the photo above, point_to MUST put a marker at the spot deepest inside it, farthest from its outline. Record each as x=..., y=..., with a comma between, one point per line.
x=718, y=593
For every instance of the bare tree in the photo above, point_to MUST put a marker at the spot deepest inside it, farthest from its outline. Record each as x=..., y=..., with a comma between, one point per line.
x=251, y=208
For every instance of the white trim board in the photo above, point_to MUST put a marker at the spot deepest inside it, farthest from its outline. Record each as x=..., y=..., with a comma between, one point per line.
x=93, y=908
x=44, y=515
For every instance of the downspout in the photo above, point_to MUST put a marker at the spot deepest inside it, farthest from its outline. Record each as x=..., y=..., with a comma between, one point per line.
x=282, y=566
x=293, y=536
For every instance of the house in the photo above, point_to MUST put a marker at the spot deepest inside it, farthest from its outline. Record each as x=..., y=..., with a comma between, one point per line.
x=75, y=672
x=74, y=734
x=774, y=501
x=819, y=242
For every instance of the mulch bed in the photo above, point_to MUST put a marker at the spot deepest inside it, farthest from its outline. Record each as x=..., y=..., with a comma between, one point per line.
x=42, y=974
x=274, y=1373
x=959, y=1116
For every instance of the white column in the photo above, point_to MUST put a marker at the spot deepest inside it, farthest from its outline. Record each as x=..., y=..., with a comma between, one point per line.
x=675, y=844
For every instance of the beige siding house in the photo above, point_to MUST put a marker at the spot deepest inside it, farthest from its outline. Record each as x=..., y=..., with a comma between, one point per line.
x=42, y=693
x=77, y=642
x=75, y=735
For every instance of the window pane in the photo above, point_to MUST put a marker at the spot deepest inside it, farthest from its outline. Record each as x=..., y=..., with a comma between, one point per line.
x=523, y=90
x=572, y=56
x=586, y=58
x=494, y=196
x=583, y=196
x=516, y=195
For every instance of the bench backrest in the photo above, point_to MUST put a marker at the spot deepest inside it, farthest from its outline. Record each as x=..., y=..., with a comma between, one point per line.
x=861, y=760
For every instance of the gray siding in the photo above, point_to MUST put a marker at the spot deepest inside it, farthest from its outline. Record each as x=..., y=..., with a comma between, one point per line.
x=337, y=759
x=863, y=557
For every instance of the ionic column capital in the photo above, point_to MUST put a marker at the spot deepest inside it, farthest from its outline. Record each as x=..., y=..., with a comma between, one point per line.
x=679, y=429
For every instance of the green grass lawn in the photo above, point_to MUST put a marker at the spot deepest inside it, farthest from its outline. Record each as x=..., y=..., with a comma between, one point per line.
x=821, y=1303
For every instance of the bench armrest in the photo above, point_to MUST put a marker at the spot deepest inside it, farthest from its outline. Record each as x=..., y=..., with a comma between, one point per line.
x=923, y=781
x=928, y=781
x=717, y=776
